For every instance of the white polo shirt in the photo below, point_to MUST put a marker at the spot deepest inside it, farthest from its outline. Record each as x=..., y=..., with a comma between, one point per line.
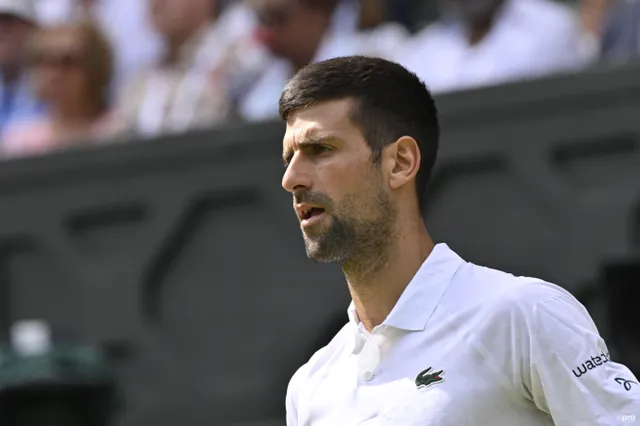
x=530, y=39
x=467, y=345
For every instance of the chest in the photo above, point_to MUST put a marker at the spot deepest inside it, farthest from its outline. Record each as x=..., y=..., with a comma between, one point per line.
x=447, y=387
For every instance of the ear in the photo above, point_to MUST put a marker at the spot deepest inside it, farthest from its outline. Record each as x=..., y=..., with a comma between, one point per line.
x=402, y=159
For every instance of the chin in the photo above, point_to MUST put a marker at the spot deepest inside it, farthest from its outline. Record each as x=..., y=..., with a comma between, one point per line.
x=322, y=258
x=322, y=253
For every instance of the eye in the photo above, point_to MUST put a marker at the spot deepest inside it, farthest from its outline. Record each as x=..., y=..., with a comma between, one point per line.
x=318, y=149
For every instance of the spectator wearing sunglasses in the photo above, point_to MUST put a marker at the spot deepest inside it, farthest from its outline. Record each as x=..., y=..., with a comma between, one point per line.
x=71, y=67
x=17, y=103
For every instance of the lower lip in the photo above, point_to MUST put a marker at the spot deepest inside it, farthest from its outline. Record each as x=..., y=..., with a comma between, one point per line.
x=313, y=219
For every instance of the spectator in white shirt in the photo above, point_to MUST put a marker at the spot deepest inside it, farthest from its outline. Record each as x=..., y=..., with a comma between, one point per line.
x=486, y=42
x=299, y=32
x=207, y=54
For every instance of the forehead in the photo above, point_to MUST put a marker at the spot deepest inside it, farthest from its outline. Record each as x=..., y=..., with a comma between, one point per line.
x=329, y=119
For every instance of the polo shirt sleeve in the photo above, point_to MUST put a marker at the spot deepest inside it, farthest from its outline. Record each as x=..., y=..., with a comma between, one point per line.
x=296, y=385
x=569, y=372
x=545, y=349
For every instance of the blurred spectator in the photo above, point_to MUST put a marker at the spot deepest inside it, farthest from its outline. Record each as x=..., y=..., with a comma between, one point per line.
x=299, y=32
x=486, y=42
x=410, y=13
x=71, y=67
x=207, y=54
x=17, y=19
x=136, y=45
x=620, y=33
x=593, y=17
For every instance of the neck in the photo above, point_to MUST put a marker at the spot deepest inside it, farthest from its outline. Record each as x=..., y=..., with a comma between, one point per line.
x=174, y=47
x=177, y=42
x=377, y=284
x=479, y=26
x=319, y=32
x=75, y=117
x=478, y=31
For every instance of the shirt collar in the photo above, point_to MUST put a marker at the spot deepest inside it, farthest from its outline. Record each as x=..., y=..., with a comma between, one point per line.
x=419, y=300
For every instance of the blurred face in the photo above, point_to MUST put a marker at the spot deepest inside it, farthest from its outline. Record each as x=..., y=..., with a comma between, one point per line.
x=470, y=11
x=14, y=33
x=60, y=67
x=180, y=18
x=288, y=28
x=339, y=195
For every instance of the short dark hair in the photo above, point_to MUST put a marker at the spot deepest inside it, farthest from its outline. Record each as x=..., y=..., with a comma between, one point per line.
x=389, y=102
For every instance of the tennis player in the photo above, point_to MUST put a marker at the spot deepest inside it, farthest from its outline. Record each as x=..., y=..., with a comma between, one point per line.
x=431, y=339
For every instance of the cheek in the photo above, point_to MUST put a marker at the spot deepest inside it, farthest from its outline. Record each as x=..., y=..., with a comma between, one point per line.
x=358, y=192
x=77, y=80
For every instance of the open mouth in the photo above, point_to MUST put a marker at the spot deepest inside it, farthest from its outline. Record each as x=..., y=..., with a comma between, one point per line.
x=311, y=215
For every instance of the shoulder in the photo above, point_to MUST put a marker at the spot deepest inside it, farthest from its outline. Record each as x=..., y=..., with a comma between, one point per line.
x=532, y=305
x=435, y=38
x=26, y=138
x=384, y=40
x=545, y=14
x=433, y=33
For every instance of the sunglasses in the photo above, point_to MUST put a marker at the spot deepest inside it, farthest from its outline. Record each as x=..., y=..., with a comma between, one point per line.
x=8, y=19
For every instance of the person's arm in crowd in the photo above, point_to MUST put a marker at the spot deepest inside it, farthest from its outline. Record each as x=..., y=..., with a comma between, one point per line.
x=593, y=23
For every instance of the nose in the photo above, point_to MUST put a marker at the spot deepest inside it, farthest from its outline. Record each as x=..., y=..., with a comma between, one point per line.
x=296, y=176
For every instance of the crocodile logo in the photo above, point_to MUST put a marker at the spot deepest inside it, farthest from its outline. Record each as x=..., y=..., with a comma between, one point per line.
x=425, y=378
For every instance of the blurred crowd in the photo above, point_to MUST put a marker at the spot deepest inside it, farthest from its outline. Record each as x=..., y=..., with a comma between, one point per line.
x=79, y=72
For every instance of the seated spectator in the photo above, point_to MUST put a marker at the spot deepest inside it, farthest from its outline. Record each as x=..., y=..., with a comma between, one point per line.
x=125, y=23
x=17, y=103
x=487, y=42
x=71, y=67
x=299, y=32
x=207, y=54
x=136, y=45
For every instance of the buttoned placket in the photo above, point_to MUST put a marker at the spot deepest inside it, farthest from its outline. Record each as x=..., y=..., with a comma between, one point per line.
x=369, y=352
x=370, y=349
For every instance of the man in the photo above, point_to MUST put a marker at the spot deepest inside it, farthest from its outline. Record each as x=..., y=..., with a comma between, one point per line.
x=299, y=32
x=485, y=42
x=432, y=339
x=17, y=103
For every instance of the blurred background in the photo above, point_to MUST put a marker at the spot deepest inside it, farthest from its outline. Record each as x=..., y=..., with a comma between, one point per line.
x=151, y=269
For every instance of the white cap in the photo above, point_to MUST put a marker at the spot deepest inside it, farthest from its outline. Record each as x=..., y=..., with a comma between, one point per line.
x=30, y=337
x=24, y=9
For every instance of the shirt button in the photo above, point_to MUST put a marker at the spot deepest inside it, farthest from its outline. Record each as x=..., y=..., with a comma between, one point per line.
x=368, y=376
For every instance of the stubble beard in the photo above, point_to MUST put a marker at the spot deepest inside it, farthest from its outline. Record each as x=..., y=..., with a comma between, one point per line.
x=355, y=242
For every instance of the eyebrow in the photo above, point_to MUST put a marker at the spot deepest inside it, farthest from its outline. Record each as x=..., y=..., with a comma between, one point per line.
x=307, y=142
